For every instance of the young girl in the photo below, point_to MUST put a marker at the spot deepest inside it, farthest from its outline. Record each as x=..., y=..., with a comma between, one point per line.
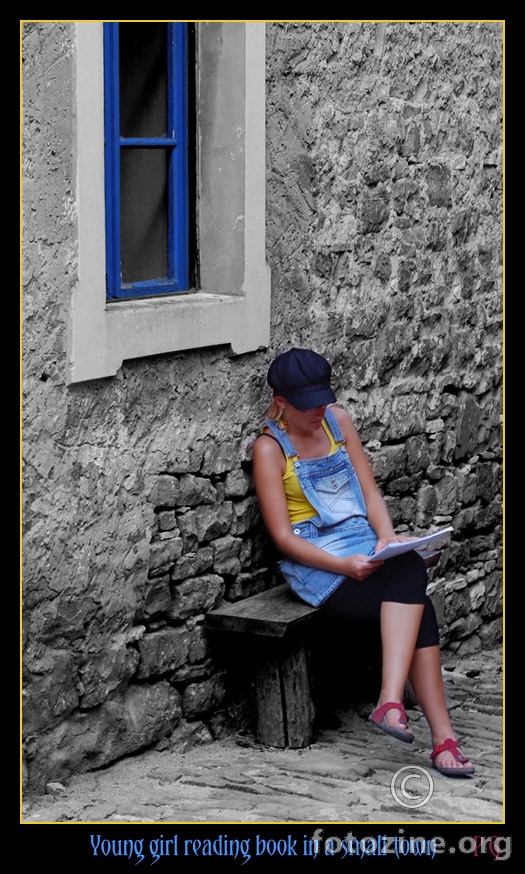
x=326, y=516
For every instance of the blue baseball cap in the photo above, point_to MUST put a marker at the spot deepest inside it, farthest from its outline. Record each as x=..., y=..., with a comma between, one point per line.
x=302, y=377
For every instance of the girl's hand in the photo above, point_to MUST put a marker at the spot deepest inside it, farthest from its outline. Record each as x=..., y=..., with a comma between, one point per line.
x=394, y=538
x=358, y=567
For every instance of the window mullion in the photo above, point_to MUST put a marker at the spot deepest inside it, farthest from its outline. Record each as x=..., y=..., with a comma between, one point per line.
x=112, y=158
x=148, y=142
x=178, y=168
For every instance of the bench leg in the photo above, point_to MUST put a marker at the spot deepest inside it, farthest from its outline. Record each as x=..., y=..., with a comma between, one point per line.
x=285, y=711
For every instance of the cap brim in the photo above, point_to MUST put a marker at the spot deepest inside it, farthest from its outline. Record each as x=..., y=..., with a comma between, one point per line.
x=306, y=400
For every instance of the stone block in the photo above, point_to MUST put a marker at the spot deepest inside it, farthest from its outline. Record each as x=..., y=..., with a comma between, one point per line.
x=124, y=725
x=402, y=485
x=493, y=603
x=417, y=454
x=162, y=651
x=457, y=602
x=226, y=555
x=195, y=596
x=199, y=698
x=468, y=647
x=195, y=490
x=491, y=633
x=426, y=505
x=373, y=211
x=465, y=519
x=465, y=626
x=388, y=462
x=489, y=480
x=236, y=484
x=403, y=510
x=50, y=690
x=436, y=593
x=446, y=494
x=220, y=457
x=187, y=525
x=163, y=554
x=213, y=521
x=383, y=267
x=191, y=564
x=157, y=597
x=199, y=648
x=469, y=417
x=467, y=485
x=439, y=186
x=166, y=520
x=245, y=515
x=165, y=492
x=407, y=417
x=105, y=672
x=489, y=516
x=477, y=594
x=247, y=584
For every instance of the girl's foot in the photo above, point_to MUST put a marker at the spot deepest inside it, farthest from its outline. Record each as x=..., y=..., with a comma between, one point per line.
x=448, y=759
x=392, y=719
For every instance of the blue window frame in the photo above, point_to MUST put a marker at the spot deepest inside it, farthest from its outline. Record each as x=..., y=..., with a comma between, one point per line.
x=146, y=158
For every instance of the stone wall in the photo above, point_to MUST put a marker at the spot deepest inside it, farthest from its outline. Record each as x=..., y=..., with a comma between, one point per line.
x=384, y=241
x=384, y=165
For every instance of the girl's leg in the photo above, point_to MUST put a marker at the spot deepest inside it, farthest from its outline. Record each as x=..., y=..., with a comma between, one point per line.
x=409, y=636
x=395, y=594
x=427, y=682
x=400, y=624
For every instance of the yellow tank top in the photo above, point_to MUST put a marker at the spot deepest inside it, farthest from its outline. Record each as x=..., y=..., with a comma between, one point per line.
x=298, y=507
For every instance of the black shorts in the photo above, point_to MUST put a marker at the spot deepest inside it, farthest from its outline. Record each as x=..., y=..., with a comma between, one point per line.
x=402, y=579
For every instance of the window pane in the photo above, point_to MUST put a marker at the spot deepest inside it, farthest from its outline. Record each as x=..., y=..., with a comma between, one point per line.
x=143, y=80
x=144, y=214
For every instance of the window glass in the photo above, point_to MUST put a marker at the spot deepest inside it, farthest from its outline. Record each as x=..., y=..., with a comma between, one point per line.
x=143, y=54
x=143, y=214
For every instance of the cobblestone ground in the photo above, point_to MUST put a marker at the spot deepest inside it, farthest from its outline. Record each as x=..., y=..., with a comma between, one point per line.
x=344, y=777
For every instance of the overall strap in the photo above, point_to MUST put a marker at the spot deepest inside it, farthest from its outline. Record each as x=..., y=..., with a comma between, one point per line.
x=282, y=438
x=333, y=424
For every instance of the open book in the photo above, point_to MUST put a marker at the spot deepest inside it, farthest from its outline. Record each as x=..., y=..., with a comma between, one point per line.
x=392, y=549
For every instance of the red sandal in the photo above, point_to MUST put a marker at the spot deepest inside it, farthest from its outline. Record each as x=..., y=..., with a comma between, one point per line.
x=378, y=718
x=452, y=746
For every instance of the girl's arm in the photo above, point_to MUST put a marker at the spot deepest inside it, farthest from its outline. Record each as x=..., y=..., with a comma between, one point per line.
x=377, y=511
x=268, y=470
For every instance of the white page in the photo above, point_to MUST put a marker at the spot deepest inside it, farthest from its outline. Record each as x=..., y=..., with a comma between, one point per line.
x=392, y=549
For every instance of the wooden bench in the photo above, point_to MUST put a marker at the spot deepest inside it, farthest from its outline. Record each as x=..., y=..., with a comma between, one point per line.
x=283, y=701
x=280, y=623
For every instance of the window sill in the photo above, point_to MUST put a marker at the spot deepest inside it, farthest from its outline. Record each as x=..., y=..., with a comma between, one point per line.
x=141, y=328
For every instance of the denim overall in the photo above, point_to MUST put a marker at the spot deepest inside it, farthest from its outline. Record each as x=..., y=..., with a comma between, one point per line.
x=340, y=525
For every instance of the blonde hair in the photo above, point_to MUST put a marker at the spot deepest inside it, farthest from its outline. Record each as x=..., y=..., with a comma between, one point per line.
x=273, y=411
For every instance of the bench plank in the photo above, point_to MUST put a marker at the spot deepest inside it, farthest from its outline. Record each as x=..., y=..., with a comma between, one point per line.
x=271, y=613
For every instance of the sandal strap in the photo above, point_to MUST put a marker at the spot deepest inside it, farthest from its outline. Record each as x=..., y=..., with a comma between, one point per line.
x=449, y=745
x=378, y=714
